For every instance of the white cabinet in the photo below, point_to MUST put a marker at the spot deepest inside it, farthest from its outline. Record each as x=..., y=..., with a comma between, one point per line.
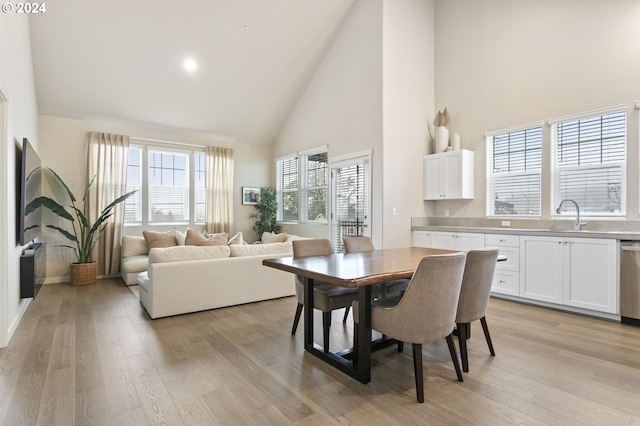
x=590, y=274
x=421, y=239
x=448, y=175
x=464, y=241
x=578, y=272
x=506, y=279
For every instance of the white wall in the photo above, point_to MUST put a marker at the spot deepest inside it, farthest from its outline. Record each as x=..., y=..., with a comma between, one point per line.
x=501, y=63
x=63, y=147
x=17, y=86
x=408, y=105
x=342, y=105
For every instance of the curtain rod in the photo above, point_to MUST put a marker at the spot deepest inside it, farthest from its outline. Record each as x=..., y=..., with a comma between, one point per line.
x=158, y=141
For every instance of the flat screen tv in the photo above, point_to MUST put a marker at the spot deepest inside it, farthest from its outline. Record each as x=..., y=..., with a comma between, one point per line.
x=30, y=189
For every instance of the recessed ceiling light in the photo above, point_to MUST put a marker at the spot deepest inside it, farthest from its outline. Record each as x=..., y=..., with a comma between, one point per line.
x=190, y=65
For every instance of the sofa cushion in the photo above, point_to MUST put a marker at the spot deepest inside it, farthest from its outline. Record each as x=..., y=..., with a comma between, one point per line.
x=197, y=239
x=180, y=253
x=272, y=237
x=291, y=238
x=156, y=239
x=135, y=263
x=134, y=245
x=237, y=239
x=258, y=249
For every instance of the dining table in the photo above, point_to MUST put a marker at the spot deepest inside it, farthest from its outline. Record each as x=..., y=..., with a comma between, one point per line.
x=352, y=270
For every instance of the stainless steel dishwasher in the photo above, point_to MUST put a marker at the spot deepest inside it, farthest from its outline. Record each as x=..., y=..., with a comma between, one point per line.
x=630, y=282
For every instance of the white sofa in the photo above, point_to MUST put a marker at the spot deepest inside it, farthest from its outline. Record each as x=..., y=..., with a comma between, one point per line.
x=186, y=279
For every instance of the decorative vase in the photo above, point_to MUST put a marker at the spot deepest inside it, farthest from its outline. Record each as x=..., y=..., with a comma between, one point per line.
x=442, y=139
x=82, y=273
x=455, y=142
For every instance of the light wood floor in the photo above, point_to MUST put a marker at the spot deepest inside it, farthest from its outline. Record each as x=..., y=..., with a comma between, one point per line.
x=91, y=355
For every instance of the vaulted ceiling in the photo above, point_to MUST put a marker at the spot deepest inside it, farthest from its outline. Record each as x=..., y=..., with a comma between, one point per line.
x=122, y=60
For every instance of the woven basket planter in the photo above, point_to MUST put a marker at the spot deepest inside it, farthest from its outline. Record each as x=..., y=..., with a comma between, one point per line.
x=83, y=273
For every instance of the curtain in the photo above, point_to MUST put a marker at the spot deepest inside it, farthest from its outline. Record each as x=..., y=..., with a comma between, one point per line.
x=107, y=161
x=219, y=175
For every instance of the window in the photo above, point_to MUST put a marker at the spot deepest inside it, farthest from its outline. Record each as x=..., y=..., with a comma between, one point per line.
x=588, y=162
x=302, y=185
x=170, y=184
x=514, y=161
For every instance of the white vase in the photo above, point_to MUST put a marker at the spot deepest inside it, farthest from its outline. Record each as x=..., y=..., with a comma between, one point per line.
x=442, y=139
x=455, y=142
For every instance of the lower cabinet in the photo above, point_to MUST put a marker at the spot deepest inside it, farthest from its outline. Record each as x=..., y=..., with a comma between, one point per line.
x=579, y=272
x=421, y=239
x=506, y=279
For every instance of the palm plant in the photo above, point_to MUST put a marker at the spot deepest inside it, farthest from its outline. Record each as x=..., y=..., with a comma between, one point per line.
x=83, y=236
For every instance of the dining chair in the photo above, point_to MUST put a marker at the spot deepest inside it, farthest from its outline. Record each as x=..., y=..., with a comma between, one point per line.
x=326, y=297
x=382, y=290
x=474, y=298
x=425, y=312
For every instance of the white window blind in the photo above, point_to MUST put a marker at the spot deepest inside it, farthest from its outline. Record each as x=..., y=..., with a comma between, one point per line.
x=200, y=190
x=315, y=187
x=133, y=204
x=168, y=186
x=589, y=160
x=287, y=188
x=350, y=202
x=514, y=173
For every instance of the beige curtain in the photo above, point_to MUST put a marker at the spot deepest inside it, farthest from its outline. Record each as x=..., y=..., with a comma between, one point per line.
x=219, y=173
x=107, y=160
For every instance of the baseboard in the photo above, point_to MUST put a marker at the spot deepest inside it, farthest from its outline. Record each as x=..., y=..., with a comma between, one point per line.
x=24, y=304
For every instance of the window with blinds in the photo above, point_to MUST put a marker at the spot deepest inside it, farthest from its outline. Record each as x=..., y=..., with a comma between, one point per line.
x=171, y=185
x=589, y=163
x=287, y=189
x=315, y=188
x=350, y=202
x=514, y=173
x=133, y=204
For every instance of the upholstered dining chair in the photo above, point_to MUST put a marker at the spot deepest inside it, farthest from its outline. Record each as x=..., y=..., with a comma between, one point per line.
x=326, y=297
x=425, y=312
x=382, y=290
x=474, y=298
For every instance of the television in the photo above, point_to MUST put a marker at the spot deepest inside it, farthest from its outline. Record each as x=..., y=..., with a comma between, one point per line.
x=30, y=181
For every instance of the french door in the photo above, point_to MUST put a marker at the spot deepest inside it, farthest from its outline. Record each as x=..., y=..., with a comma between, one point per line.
x=350, y=199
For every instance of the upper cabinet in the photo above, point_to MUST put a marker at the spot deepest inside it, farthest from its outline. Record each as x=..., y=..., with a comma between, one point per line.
x=448, y=176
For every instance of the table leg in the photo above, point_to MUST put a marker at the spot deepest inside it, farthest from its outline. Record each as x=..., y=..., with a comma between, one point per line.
x=360, y=372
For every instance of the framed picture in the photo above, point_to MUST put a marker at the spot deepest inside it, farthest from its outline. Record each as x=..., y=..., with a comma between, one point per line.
x=250, y=195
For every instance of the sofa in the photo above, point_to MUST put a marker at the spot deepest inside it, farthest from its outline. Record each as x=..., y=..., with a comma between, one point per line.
x=186, y=278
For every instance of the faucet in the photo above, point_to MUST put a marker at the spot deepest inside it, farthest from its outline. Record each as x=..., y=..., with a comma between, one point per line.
x=577, y=225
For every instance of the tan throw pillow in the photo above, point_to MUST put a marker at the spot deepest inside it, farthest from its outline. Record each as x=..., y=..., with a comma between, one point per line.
x=272, y=237
x=236, y=239
x=197, y=239
x=160, y=239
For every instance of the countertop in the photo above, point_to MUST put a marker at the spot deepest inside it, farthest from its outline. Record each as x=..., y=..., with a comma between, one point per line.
x=566, y=233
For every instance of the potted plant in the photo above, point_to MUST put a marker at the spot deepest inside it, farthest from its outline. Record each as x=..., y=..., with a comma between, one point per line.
x=83, y=235
x=266, y=212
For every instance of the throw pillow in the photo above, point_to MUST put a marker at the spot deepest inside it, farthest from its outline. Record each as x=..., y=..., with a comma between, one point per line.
x=272, y=237
x=181, y=237
x=236, y=239
x=197, y=239
x=156, y=239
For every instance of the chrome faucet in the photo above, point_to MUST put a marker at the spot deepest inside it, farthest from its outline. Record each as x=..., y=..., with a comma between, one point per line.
x=577, y=225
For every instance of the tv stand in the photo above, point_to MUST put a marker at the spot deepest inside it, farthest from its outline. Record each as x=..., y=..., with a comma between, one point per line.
x=32, y=270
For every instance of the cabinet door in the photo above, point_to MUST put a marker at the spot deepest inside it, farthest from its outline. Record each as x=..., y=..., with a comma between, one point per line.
x=422, y=239
x=590, y=274
x=443, y=240
x=469, y=241
x=432, y=170
x=452, y=176
x=541, y=268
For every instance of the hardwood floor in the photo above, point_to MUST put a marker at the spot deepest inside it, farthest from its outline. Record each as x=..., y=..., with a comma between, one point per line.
x=91, y=355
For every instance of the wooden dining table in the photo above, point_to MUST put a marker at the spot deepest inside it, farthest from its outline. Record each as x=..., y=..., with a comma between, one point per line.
x=358, y=270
